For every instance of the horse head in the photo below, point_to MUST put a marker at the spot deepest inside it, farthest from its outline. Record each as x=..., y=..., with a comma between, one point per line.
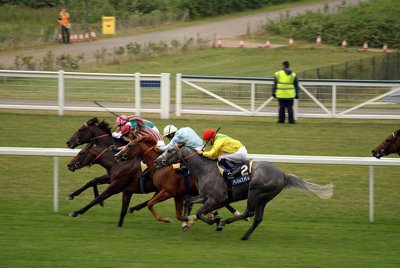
x=91, y=131
x=82, y=159
x=138, y=147
x=389, y=146
x=171, y=156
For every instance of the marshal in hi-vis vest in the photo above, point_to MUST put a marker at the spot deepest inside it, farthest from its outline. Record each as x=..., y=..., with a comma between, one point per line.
x=285, y=85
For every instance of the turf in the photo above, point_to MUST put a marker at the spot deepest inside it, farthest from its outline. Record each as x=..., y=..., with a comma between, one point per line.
x=299, y=230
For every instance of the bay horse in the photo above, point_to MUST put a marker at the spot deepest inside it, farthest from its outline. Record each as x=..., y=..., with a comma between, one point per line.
x=125, y=177
x=168, y=182
x=391, y=145
x=98, y=133
x=267, y=181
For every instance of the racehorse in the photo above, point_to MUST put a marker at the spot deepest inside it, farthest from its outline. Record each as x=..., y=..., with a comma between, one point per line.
x=168, y=182
x=99, y=133
x=125, y=177
x=267, y=181
x=391, y=145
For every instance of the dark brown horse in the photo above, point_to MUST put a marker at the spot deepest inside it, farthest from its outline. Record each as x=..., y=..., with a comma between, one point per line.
x=168, y=182
x=391, y=145
x=125, y=177
x=98, y=133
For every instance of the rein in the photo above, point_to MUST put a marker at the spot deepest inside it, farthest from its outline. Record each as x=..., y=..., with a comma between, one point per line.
x=99, y=137
x=98, y=156
x=151, y=148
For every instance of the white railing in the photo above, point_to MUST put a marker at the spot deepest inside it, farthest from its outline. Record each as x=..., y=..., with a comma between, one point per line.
x=209, y=95
x=249, y=96
x=298, y=159
x=73, y=91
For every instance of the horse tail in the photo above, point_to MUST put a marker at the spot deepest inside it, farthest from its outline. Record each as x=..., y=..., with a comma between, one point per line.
x=324, y=192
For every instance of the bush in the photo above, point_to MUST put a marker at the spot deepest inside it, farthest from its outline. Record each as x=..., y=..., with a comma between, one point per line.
x=377, y=22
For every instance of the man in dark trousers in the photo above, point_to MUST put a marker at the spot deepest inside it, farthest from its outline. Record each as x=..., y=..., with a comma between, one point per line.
x=285, y=89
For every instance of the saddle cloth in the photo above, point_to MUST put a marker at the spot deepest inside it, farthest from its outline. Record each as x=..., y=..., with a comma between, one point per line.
x=240, y=178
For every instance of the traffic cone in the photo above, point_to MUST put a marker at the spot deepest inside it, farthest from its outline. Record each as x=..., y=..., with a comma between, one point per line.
x=267, y=44
x=344, y=43
x=59, y=37
x=86, y=36
x=92, y=35
x=219, y=43
x=291, y=42
x=81, y=37
x=318, y=40
x=385, y=48
x=73, y=37
x=365, y=46
x=241, y=44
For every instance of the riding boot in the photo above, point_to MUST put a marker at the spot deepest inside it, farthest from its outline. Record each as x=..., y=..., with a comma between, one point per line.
x=234, y=171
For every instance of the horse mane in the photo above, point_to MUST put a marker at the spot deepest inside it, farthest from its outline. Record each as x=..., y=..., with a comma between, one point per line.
x=92, y=121
x=104, y=126
x=150, y=140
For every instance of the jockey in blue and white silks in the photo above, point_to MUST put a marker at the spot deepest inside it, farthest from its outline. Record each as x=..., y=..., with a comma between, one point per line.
x=183, y=136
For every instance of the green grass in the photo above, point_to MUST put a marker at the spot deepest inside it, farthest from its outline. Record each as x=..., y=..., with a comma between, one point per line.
x=259, y=62
x=299, y=230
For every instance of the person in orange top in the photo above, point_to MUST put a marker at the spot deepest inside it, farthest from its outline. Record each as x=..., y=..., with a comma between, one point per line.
x=63, y=20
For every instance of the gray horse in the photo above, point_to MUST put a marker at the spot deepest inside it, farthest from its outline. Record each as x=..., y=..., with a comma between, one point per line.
x=267, y=181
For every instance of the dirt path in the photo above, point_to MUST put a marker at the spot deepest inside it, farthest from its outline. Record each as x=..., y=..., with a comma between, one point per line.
x=227, y=31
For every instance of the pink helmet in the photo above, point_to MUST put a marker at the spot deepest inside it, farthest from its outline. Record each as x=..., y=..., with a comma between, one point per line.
x=125, y=129
x=119, y=121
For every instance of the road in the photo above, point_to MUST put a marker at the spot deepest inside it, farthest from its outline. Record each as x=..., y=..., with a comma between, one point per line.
x=226, y=29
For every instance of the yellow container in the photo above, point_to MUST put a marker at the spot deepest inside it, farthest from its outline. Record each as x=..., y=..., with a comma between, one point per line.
x=108, y=24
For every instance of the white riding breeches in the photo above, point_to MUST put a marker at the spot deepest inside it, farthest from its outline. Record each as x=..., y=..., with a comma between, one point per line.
x=239, y=156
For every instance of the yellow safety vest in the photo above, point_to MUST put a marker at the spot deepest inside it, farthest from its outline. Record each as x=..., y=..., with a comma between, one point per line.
x=285, y=85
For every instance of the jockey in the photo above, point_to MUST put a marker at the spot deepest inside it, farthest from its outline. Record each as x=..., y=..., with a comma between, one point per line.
x=228, y=151
x=134, y=126
x=183, y=136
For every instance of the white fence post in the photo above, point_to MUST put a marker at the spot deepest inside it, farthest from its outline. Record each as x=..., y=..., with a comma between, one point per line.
x=178, y=95
x=55, y=190
x=371, y=193
x=137, y=93
x=334, y=100
x=165, y=95
x=61, y=84
x=253, y=97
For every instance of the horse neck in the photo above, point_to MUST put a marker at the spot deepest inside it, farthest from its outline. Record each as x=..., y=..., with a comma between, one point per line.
x=198, y=165
x=107, y=160
x=149, y=154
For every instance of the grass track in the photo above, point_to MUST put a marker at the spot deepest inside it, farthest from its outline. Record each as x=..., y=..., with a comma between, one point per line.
x=299, y=230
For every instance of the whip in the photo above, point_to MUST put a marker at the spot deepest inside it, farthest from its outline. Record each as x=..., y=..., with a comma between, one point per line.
x=98, y=104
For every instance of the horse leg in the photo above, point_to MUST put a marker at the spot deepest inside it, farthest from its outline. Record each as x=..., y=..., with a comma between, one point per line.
x=179, y=208
x=93, y=183
x=208, y=206
x=259, y=213
x=106, y=194
x=160, y=196
x=234, y=211
x=126, y=198
x=139, y=206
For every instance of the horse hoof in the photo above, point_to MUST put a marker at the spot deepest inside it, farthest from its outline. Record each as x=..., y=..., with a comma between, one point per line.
x=247, y=219
x=185, y=226
x=131, y=210
x=70, y=197
x=73, y=214
x=167, y=220
x=220, y=227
